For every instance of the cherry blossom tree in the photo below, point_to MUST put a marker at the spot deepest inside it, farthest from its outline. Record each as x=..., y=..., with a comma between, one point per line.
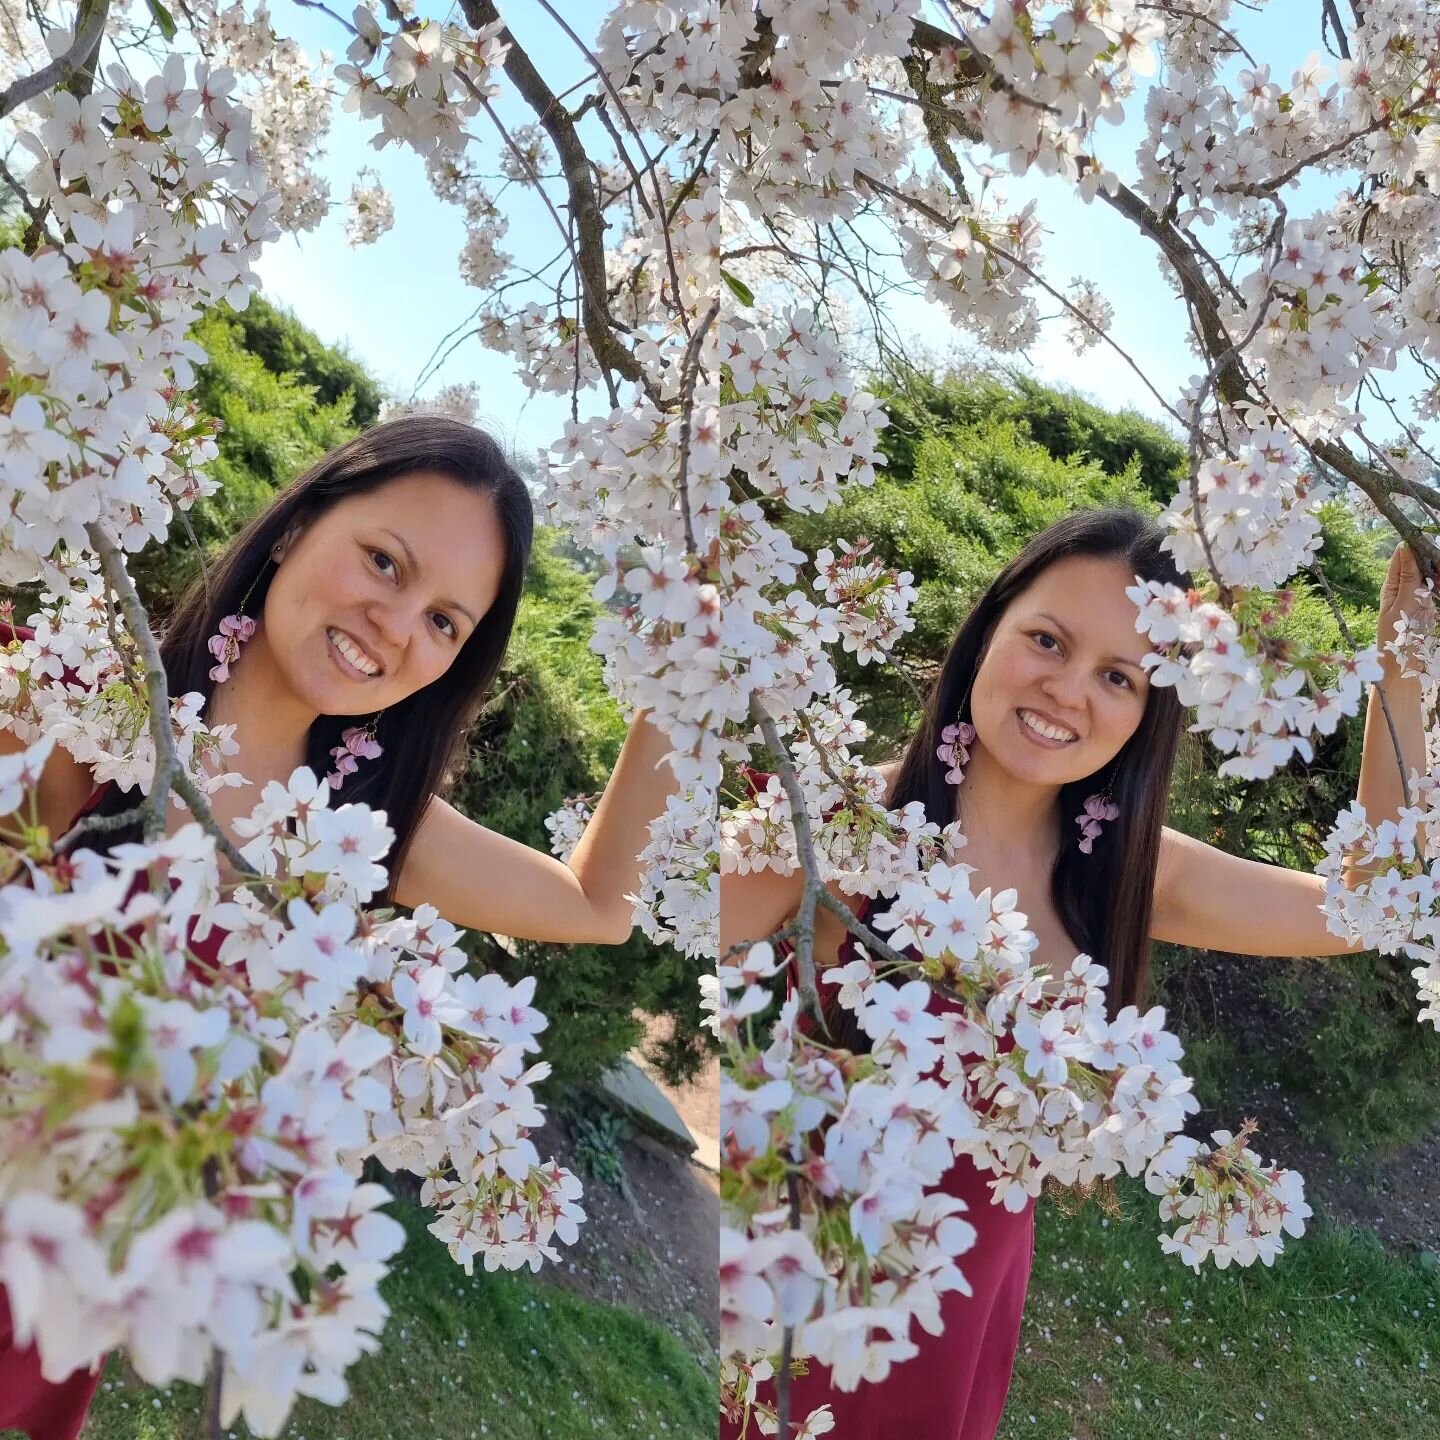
x=735, y=187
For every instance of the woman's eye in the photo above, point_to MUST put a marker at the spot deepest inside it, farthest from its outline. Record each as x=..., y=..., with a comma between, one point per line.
x=1122, y=678
x=378, y=556
x=1044, y=635
x=447, y=623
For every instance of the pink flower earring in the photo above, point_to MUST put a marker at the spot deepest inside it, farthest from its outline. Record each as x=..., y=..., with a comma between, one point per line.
x=355, y=745
x=1098, y=809
x=956, y=739
x=235, y=630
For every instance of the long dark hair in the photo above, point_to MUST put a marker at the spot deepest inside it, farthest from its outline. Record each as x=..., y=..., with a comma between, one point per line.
x=1105, y=898
x=423, y=734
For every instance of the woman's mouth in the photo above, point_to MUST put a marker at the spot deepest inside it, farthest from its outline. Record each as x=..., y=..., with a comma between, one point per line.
x=1044, y=732
x=353, y=660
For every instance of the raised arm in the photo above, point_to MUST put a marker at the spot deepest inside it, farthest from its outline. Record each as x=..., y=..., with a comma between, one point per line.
x=1213, y=901
x=481, y=880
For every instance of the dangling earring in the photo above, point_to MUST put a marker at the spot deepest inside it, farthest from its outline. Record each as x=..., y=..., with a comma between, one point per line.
x=235, y=630
x=355, y=745
x=956, y=740
x=1098, y=809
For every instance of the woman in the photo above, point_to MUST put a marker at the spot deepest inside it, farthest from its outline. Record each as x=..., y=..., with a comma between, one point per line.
x=1047, y=670
x=354, y=626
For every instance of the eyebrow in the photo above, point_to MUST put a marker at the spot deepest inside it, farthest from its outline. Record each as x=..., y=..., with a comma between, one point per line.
x=414, y=564
x=1109, y=659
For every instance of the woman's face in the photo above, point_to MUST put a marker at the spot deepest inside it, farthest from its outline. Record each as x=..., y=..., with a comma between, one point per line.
x=1065, y=656
x=375, y=597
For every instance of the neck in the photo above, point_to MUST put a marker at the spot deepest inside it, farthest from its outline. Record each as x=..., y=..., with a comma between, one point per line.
x=271, y=723
x=1014, y=819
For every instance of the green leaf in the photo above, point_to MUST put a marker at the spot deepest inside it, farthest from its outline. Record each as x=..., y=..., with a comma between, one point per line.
x=741, y=291
x=163, y=18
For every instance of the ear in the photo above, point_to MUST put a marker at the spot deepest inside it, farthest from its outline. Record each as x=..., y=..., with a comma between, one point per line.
x=281, y=548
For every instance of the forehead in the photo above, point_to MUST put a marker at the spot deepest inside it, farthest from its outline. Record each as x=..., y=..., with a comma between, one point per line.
x=1087, y=593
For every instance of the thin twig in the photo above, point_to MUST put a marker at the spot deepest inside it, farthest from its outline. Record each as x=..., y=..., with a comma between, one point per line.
x=97, y=825
x=1330, y=20
x=600, y=327
x=214, y=1385
x=689, y=372
x=787, y=1339
x=630, y=125
x=814, y=893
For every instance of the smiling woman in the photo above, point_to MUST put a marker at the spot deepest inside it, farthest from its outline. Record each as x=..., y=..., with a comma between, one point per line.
x=358, y=623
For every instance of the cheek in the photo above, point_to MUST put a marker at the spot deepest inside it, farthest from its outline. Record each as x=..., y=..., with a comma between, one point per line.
x=1008, y=669
x=426, y=663
x=1120, y=716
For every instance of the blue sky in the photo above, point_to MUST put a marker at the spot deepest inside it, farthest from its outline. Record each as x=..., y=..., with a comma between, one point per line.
x=391, y=303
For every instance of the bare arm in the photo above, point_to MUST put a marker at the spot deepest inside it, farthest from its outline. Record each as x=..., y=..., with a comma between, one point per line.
x=1209, y=900
x=1379, y=789
x=1214, y=901
x=481, y=880
x=756, y=905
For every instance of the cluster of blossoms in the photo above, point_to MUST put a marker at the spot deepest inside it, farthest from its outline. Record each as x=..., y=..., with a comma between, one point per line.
x=1396, y=910
x=70, y=683
x=372, y=212
x=1023, y=1073
x=423, y=81
x=185, y=1124
x=1235, y=1209
x=567, y=824
x=1258, y=510
x=1259, y=697
x=288, y=101
x=679, y=899
x=159, y=187
x=871, y=600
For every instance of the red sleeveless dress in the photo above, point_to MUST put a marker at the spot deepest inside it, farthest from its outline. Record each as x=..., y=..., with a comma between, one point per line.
x=954, y=1388
x=28, y=1402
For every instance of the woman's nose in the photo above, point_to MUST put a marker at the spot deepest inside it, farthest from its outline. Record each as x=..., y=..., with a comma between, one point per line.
x=394, y=619
x=1066, y=688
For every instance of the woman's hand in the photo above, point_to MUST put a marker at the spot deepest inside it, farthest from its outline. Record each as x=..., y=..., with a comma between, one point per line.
x=1398, y=597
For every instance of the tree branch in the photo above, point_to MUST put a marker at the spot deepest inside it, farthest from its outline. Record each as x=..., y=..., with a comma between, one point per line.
x=89, y=31
x=169, y=773
x=689, y=372
x=584, y=206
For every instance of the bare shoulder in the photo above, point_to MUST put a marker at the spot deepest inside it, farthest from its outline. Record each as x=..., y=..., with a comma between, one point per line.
x=65, y=783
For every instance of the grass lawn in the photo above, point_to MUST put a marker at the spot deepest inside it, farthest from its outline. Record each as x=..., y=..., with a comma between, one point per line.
x=1121, y=1342
x=502, y=1356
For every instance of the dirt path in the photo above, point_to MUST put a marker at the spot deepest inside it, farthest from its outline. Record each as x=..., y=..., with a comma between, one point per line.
x=655, y=1249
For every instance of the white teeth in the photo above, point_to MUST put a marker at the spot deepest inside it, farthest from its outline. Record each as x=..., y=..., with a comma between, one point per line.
x=1051, y=732
x=357, y=657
